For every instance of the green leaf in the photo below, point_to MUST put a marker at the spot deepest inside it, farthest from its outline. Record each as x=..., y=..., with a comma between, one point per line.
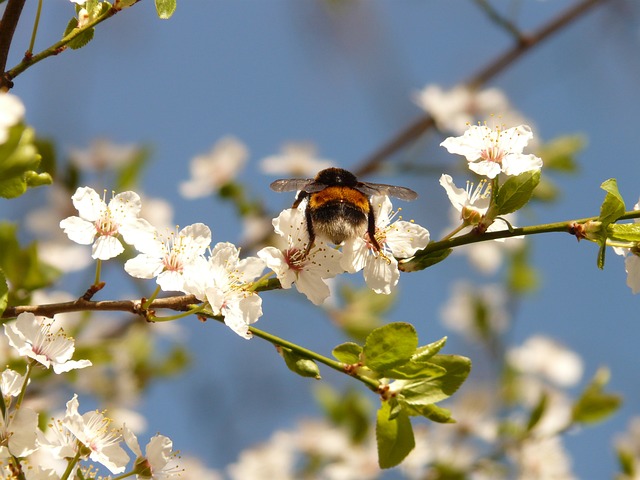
x=415, y=370
x=613, y=206
x=390, y=346
x=424, y=353
x=559, y=154
x=128, y=176
x=394, y=436
x=516, y=192
x=422, y=261
x=594, y=405
x=612, y=209
x=19, y=159
x=522, y=275
x=627, y=462
x=361, y=311
x=350, y=409
x=538, y=411
x=430, y=412
x=4, y=292
x=82, y=39
x=22, y=267
x=624, y=232
x=165, y=8
x=348, y=352
x=425, y=392
x=303, y=366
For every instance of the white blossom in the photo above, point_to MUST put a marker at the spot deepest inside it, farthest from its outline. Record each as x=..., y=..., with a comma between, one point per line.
x=296, y=160
x=632, y=261
x=455, y=109
x=211, y=171
x=166, y=258
x=11, y=113
x=294, y=264
x=490, y=152
x=35, y=339
x=398, y=239
x=104, y=223
x=93, y=430
x=542, y=356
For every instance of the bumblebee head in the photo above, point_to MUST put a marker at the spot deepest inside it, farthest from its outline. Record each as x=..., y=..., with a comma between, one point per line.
x=336, y=177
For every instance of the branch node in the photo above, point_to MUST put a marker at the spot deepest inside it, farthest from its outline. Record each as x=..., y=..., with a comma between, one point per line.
x=92, y=290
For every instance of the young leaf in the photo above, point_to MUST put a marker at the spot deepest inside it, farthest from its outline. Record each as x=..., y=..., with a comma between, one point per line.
x=516, y=192
x=431, y=412
x=420, y=262
x=433, y=390
x=624, y=232
x=165, y=8
x=414, y=370
x=559, y=153
x=538, y=411
x=424, y=353
x=348, y=352
x=303, y=366
x=18, y=161
x=394, y=436
x=611, y=210
x=595, y=404
x=390, y=346
x=613, y=206
x=82, y=39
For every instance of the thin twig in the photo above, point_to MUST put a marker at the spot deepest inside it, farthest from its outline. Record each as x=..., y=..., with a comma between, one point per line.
x=524, y=45
x=7, y=28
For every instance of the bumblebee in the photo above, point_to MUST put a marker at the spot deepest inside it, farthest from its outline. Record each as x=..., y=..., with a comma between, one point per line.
x=339, y=206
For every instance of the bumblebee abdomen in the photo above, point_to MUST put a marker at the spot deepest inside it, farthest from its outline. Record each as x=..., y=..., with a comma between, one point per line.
x=339, y=213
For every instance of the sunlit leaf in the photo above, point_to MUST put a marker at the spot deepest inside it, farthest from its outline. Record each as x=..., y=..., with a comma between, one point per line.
x=516, y=191
x=390, y=346
x=394, y=437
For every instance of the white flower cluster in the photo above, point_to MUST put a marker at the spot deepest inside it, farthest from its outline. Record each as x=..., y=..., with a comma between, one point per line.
x=57, y=450
x=185, y=261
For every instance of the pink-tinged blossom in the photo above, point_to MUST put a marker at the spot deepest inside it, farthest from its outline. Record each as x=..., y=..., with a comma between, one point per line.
x=102, y=225
x=166, y=258
x=399, y=239
x=98, y=438
x=294, y=264
x=491, y=152
x=36, y=339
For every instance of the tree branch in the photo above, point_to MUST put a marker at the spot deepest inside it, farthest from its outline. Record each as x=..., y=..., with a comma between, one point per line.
x=524, y=45
x=7, y=29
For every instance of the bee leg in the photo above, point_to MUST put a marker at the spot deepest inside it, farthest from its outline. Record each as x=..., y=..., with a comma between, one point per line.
x=310, y=230
x=301, y=196
x=371, y=229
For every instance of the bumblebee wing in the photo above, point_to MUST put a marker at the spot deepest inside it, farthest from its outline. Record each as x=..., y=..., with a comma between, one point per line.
x=403, y=193
x=290, y=184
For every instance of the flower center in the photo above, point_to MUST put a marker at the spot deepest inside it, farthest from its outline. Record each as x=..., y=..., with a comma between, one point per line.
x=493, y=154
x=295, y=258
x=172, y=261
x=106, y=225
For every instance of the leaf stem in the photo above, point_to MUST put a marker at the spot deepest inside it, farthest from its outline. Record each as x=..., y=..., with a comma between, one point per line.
x=59, y=46
x=34, y=32
x=304, y=352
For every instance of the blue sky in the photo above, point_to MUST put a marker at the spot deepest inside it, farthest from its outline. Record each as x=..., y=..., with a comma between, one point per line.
x=342, y=77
